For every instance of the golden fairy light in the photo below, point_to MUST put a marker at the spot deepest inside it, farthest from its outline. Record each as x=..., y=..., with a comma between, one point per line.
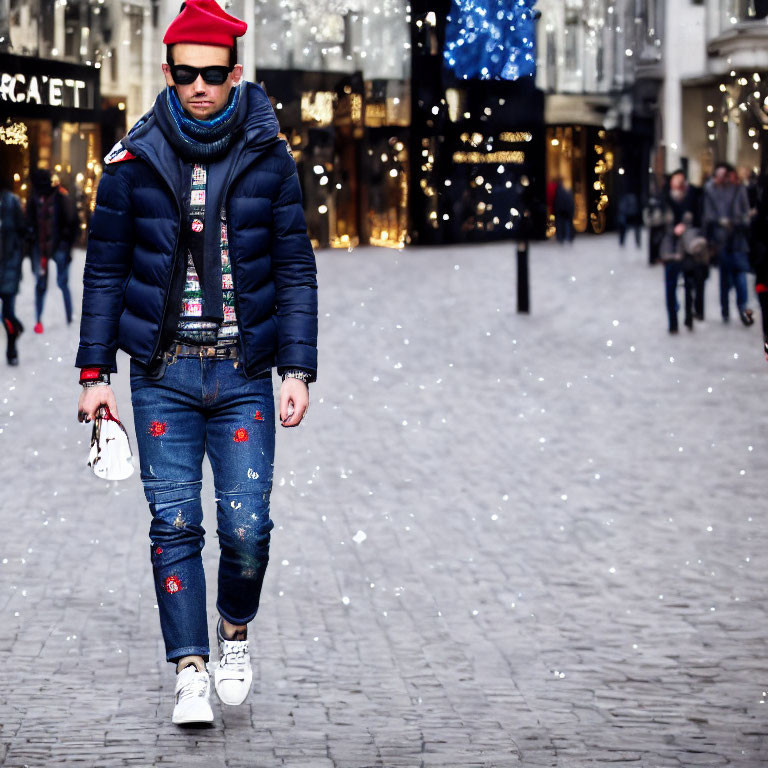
x=515, y=157
x=15, y=135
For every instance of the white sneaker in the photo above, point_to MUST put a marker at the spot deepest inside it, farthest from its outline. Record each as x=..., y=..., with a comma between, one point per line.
x=193, y=689
x=232, y=675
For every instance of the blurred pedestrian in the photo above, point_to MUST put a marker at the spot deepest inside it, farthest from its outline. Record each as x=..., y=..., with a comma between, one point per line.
x=565, y=210
x=682, y=254
x=199, y=266
x=759, y=251
x=654, y=219
x=726, y=222
x=12, y=231
x=52, y=222
x=629, y=216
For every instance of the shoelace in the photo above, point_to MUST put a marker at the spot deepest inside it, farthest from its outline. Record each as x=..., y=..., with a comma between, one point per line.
x=197, y=686
x=234, y=654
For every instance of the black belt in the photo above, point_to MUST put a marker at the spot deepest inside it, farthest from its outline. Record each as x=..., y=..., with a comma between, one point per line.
x=194, y=350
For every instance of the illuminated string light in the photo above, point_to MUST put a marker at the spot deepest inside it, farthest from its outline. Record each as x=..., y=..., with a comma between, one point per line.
x=741, y=101
x=14, y=135
x=474, y=158
x=491, y=39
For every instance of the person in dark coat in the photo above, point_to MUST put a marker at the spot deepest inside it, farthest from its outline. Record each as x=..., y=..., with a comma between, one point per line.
x=199, y=266
x=12, y=232
x=682, y=254
x=52, y=221
x=657, y=228
x=564, y=212
x=629, y=215
x=726, y=219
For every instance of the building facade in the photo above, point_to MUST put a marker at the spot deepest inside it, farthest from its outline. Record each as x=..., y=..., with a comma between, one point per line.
x=388, y=150
x=338, y=74
x=73, y=75
x=715, y=96
x=684, y=80
x=600, y=67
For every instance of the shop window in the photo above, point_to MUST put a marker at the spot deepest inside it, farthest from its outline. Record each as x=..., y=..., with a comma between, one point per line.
x=76, y=32
x=551, y=59
x=566, y=162
x=757, y=9
x=317, y=108
x=135, y=46
x=572, y=43
x=735, y=11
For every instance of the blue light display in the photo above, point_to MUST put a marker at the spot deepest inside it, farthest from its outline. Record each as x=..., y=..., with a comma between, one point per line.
x=491, y=39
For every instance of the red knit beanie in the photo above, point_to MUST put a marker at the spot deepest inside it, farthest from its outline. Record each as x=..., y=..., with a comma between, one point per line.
x=206, y=23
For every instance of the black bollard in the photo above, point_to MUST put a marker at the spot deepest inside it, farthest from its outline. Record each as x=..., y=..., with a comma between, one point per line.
x=523, y=288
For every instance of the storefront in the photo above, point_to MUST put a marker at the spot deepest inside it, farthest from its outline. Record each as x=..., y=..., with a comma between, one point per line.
x=349, y=139
x=477, y=128
x=583, y=159
x=49, y=118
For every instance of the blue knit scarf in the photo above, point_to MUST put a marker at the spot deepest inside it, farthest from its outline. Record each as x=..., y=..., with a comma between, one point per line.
x=199, y=140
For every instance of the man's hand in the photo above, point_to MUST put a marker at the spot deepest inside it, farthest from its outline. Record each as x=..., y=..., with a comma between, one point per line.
x=91, y=399
x=294, y=401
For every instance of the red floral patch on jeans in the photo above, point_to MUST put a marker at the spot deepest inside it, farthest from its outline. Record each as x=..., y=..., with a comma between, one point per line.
x=241, y=435
x=158, y=428
x=172, y=585
x=258, y=416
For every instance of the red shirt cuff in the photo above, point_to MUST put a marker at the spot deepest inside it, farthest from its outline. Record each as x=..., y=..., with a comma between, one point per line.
x=89, y=374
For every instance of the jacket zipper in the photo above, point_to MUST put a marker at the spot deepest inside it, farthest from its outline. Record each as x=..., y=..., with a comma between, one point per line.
x=230, y=181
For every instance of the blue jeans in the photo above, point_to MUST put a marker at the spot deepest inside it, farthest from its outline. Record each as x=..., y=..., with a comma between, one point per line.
x=61, y=257
x=672, y=272
x=564, y=230
x=201, y=406
x=734, y=266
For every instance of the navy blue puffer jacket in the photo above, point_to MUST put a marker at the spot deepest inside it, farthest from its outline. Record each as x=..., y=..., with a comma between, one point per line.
x=133, y=248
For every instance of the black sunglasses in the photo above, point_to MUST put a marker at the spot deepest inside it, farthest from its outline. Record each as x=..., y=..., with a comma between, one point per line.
x=183, y=74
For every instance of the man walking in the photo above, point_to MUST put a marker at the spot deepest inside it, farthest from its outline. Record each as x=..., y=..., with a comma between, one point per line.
x=726, y=222
x=52, y=220
x=200, y=267
x=684, y=251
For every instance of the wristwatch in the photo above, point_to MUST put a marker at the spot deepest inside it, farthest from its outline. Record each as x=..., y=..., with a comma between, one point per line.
x=94, y=377
x=297, y=374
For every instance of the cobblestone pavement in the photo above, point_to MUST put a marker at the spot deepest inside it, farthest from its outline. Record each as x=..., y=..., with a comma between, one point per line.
x=563, y=550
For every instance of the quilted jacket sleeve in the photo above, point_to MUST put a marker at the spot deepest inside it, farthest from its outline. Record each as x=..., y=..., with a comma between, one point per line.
x=295, y=275
x=107, y=267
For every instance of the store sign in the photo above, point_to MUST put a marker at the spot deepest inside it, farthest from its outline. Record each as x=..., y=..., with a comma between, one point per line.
x=49, y=91
x=33, y=87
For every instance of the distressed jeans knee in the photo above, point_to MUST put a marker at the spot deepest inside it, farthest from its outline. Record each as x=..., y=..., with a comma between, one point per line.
x=177, y=516
x=244, y=530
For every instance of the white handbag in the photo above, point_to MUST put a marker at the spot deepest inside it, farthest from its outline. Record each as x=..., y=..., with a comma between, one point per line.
x=110, y=456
